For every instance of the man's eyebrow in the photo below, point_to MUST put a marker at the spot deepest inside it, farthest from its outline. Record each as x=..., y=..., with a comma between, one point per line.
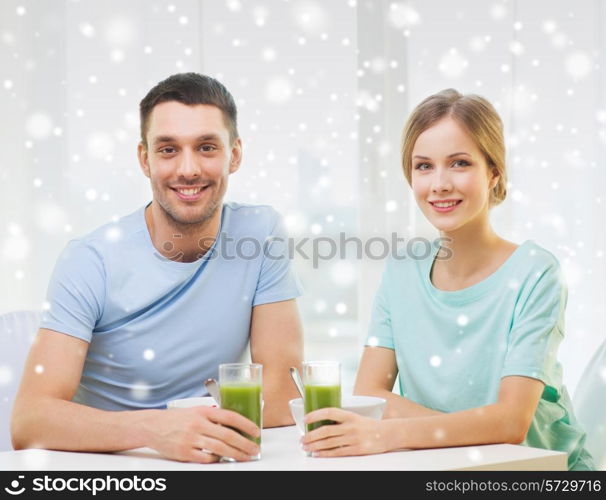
x=168, y=138
x=449, y=156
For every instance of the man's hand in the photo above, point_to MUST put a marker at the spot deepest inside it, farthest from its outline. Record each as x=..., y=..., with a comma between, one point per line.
x=202, y=434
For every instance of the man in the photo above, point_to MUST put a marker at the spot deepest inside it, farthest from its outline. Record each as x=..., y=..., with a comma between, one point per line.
x=142, y=311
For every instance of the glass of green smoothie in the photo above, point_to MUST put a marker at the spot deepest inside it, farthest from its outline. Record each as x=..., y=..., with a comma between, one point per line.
x=322, y=388
x=241, y=385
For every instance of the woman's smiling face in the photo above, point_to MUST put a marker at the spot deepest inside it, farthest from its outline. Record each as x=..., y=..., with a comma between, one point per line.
x=451, y=179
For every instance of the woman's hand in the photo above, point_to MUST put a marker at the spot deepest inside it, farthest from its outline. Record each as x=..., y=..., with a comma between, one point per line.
x=352, y=434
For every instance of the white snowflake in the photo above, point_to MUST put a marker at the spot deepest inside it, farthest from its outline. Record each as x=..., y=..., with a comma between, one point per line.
x=549, y=26
x=452, y=64
x=578, y=65
x=462, y=320
x=234, y=5
x=87, y=30
x=260, y=15
x=39, y=125
x=343, y=273
x=117, y=55
x=140, y=391
x=16, y=248
x=268, y=54
x=113, y=233
x=50, y=217
x=391, y=206
x=6, y=375
x=341, y=308
x=90, y=194
x=516, y=48
x=100, y=145
x=403, y=16
x=279, y=90
x=310, y=16
x=435, y=361
x=320, y=306
x=120, y=31
x=316, y=229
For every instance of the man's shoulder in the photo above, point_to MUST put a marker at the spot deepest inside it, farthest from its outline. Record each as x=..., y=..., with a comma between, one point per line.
x=115, y=233
x=250, y=210
x=249, y=218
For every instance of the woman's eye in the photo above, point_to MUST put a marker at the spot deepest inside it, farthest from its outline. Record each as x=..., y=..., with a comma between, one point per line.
x=461, y=163
x=423, y=166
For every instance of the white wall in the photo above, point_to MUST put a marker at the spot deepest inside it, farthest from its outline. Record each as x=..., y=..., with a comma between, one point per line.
x=323, y=90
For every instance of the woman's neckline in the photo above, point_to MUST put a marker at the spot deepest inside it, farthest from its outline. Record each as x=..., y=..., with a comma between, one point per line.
x=479, y=288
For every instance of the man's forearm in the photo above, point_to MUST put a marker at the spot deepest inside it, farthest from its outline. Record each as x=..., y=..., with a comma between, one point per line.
x=62, y=425
x=277, y=391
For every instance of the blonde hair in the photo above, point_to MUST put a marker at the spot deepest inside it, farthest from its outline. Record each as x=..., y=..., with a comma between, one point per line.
x=476, y=115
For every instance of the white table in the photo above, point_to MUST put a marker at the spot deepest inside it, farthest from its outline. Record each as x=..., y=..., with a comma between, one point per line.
x=281, y=451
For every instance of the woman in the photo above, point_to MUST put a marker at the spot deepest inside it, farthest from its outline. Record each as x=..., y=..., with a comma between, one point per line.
x=473, y=329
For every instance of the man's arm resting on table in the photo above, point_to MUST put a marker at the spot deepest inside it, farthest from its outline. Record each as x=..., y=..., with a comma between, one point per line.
x=43, y=414
x=376, y=375
x=45, y=417
x=276, y=341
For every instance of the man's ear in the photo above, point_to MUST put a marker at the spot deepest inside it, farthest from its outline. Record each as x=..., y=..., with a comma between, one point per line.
x=143, y=159
x=236, y=156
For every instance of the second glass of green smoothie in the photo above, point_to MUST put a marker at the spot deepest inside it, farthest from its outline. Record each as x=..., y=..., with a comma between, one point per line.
x=322, y=387
x=241, y=386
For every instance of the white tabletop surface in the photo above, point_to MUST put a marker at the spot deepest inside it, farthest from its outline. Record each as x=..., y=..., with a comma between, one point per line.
x=281, y=451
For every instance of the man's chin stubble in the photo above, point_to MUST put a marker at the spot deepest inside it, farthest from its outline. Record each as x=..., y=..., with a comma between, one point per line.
x=190, y=225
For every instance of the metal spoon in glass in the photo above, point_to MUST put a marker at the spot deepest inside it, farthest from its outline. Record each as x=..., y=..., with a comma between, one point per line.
x=296, y=377
x=213, y=389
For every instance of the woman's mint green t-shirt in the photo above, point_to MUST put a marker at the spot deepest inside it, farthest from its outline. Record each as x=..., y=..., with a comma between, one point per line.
x=453, y=348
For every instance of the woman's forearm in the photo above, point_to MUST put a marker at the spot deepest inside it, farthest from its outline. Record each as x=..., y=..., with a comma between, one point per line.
x=399, y=406
x=485, y=425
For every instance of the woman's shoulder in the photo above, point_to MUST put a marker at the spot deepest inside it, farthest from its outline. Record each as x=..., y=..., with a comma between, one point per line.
x=537, y=257
x=537, y=268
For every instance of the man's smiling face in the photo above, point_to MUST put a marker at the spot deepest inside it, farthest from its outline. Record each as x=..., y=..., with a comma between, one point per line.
x=188, y=158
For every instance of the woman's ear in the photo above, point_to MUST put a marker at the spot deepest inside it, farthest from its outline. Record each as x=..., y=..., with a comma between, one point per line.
x=494, y=179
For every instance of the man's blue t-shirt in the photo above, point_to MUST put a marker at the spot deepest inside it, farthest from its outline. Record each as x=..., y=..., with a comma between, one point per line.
x=157, y=328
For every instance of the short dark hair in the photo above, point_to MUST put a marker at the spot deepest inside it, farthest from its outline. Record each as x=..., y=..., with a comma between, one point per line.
x=190, y=88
